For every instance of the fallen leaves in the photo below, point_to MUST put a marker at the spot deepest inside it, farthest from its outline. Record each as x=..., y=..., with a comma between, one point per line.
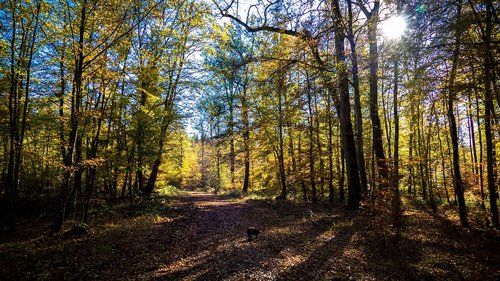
x=199, y=236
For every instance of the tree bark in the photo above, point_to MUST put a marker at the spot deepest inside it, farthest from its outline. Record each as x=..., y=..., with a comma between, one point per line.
x=489, y=79
x=443, y=165
x=344, y=109
x=373, y=17
x=312, y=174
x=232, y=154
x=281, y=155
x=73, y=158
x=302, y=183
x=420, y=154
x=459, y=189
x=357, y=103
x=246, y=139
x=320, y=150
x=341, y=171
x=396, y=200
x=330, y=149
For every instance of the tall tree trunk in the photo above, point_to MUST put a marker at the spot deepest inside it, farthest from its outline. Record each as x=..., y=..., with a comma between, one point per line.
x=357, y=103
x=232, y=154
x=75, y=140
x=480, y=162
x=281, y=155
x=489, y=80
x=443, y=165
x=387, y=122
x=448, y=152
x=330, y=148
x=302, y=183
x=203, y=160
x=218, y=155
x=341, y=171
x=246, y=139
x=373, y=18
x=140, y=136
x=459, y=189
x=420, y=155
x=472, y=138
x=312, y=175
x=344, y=109
x=320, y=150
x=13, y=120
x=428, y=170
x=396, y=200
x=410, y=165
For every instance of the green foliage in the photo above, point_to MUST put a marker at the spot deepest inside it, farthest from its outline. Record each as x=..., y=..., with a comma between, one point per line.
x=233, y=194
x=167, y=190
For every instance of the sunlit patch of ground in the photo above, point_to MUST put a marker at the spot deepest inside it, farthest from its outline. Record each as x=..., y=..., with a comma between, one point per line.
x=203, y=237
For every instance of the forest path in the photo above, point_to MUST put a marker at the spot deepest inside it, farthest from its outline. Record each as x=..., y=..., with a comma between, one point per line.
x=210, y=243
x=201, y=236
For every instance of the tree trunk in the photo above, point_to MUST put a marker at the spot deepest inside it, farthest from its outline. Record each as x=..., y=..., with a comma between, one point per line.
x=396, y=200
x=357, y=104
x=410, y=165
x=373, y=17
x=320, y=150
x=341, y=171
x=443, y=165
x=75, y=141
x=11, y=185
x=280, y=136
x=480, y=162
x=472, y=134
x=489, y=80
x=349, y=147
x=302, y=183
x=423, y=181
x=232, y=154
x=246, y=140
x=459, y=189
x=330, y=149
x=311, y=142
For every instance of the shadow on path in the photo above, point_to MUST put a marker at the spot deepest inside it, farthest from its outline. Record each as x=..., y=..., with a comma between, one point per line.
x=199, y=236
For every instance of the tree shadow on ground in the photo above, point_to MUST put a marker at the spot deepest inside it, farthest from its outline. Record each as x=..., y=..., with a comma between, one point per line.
x=450, y=251
x=116, y=245
x=233, y=256
x=202, y=237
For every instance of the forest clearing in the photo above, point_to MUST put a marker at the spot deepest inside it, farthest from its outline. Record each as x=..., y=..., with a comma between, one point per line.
x=200, y=236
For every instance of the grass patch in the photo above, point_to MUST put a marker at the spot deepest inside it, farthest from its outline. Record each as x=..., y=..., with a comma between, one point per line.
x=341, y=225
x=257, y=196
x=231, y=195
x=167, y=190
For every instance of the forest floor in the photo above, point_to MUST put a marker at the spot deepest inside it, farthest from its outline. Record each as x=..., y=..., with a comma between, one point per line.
x=200, y=236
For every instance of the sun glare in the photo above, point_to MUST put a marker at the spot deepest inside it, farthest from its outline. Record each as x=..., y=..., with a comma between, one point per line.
x=394, y=27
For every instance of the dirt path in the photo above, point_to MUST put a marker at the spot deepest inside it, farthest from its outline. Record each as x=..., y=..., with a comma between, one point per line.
x=211, y=243
x=199, y=236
